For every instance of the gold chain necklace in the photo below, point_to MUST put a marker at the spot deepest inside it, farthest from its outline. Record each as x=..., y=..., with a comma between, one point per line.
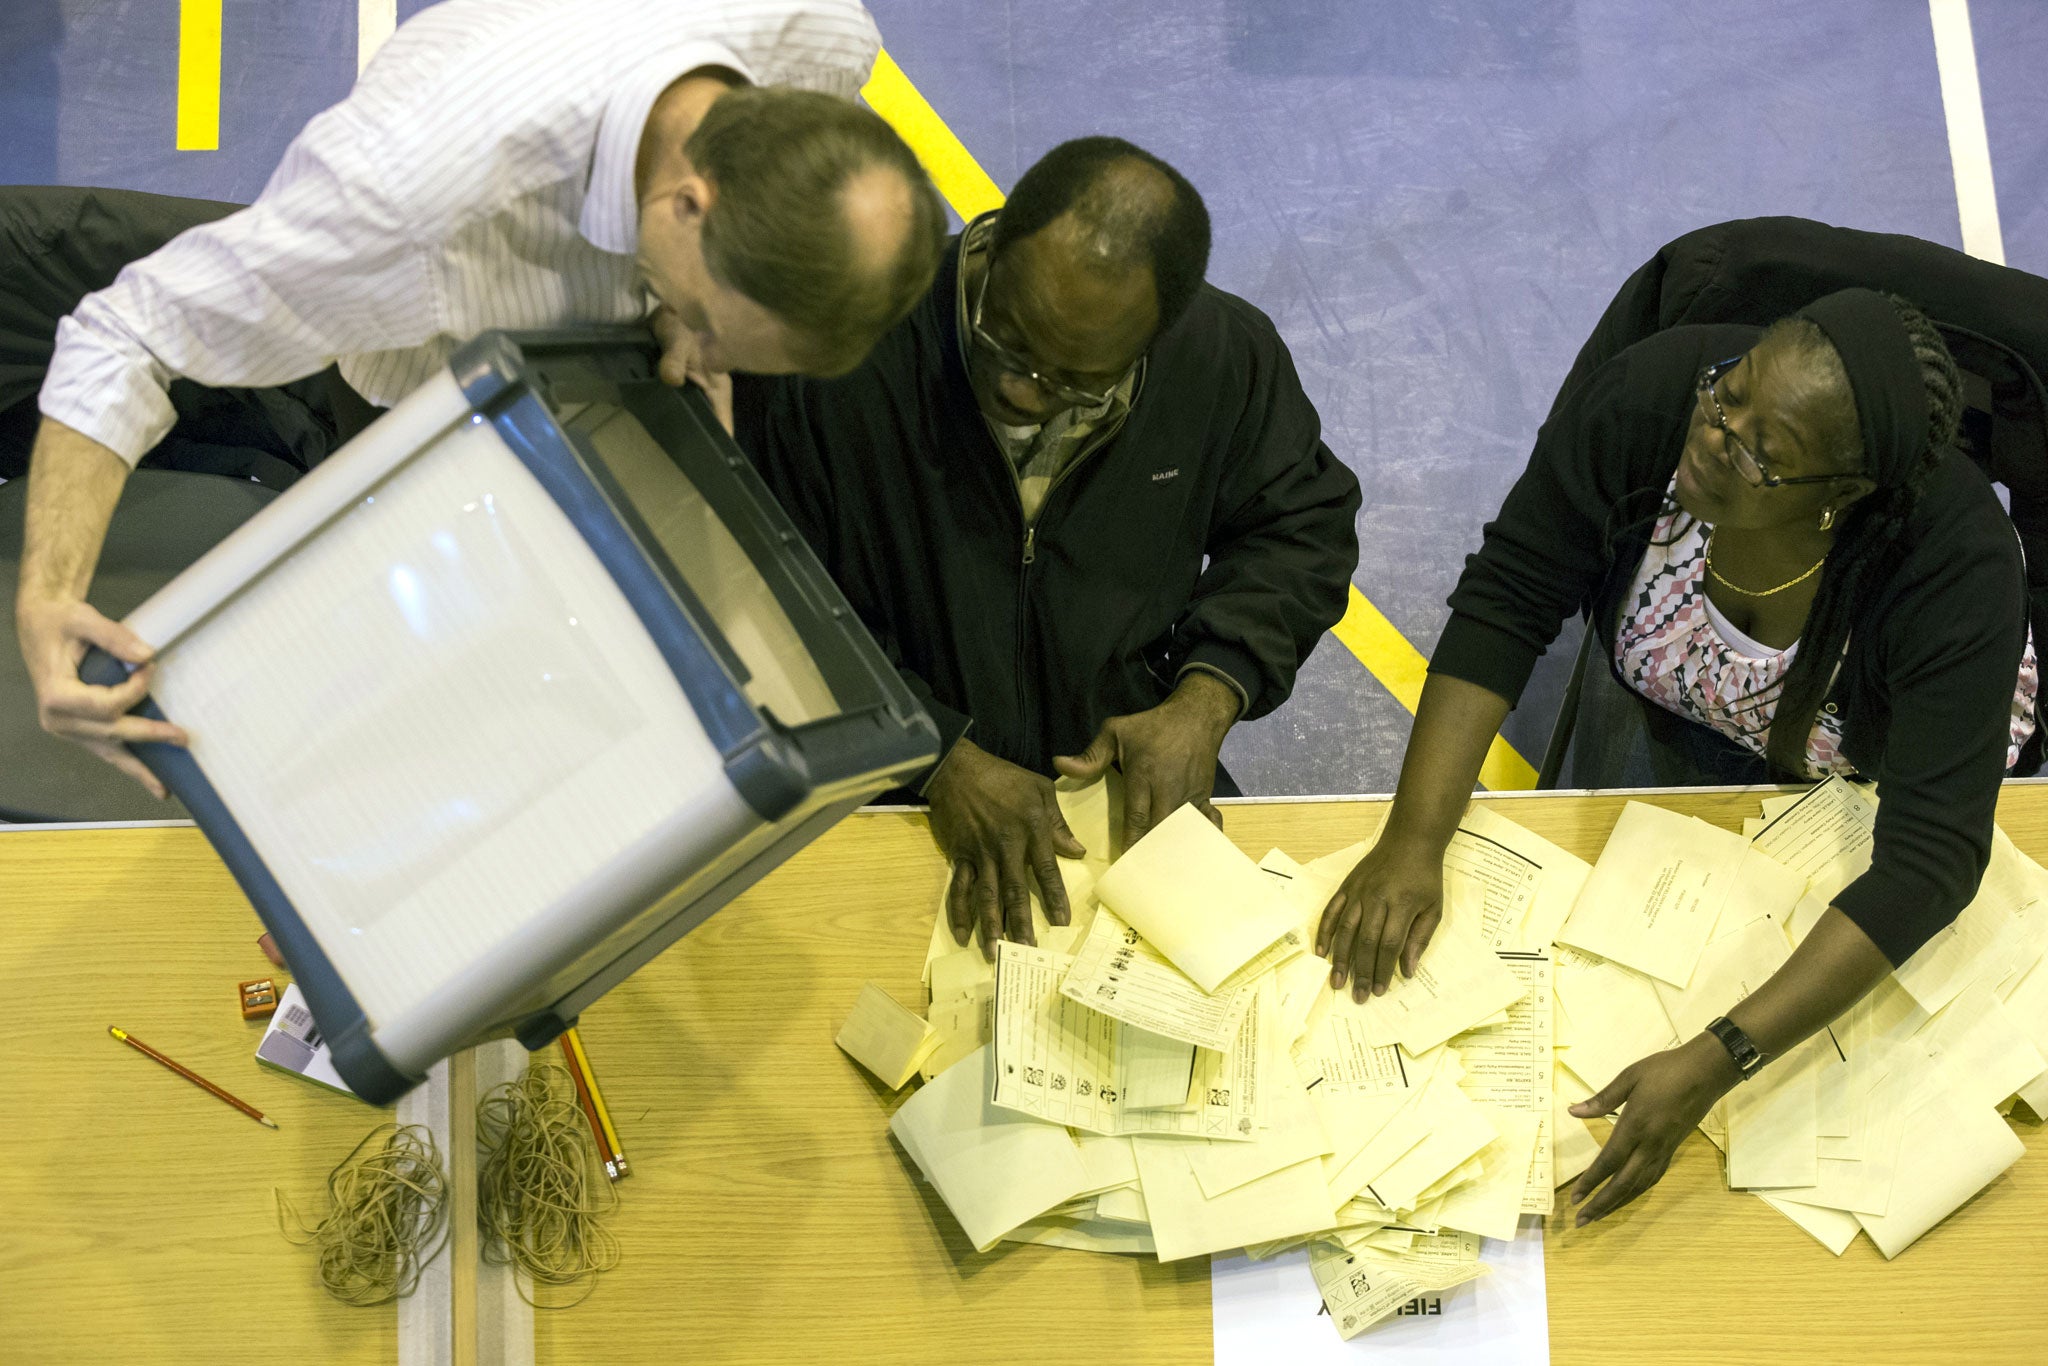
x=1715, y=574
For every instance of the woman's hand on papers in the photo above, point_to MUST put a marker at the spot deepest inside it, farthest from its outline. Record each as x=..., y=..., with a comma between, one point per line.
x=1667, y=1094
x=1385, y=913
x=1166, y=753
x=1000, y=825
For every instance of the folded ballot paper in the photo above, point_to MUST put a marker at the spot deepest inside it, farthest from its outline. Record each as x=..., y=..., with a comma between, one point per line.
x=1170, y=1075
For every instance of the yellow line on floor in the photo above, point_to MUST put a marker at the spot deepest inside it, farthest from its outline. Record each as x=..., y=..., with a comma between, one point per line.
x=951, y=166
x=198, y=75
x=1365, y=630
x=1401, y=669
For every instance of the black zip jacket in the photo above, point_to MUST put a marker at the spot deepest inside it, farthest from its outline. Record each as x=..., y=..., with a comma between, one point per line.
x=1214, y=527
x=1925, y=691
x=58, y=245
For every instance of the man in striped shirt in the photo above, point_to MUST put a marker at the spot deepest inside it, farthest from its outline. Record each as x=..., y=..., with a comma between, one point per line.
x=500, y=164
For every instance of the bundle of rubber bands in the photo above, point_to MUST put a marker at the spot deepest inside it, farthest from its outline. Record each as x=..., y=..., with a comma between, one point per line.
x=387, y=1216
x=540, y=1194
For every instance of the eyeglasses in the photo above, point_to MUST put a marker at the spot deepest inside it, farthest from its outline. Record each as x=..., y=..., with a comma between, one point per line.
x=1747, y=462
x=1012, y=363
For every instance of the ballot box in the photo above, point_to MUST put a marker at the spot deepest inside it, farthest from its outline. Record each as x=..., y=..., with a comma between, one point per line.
x=516, y=689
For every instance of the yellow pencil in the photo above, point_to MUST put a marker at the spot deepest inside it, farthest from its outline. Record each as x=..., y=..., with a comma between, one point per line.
x=189, y=1075
x=604, y=1116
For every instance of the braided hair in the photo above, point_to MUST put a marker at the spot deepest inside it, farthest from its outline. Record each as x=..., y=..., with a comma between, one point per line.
x=1870, y=542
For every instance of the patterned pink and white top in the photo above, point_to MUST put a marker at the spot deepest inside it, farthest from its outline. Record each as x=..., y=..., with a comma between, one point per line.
x=1676, y=649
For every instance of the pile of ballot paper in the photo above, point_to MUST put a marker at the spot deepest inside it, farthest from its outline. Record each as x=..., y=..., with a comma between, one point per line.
x=1885, y=1122
x=1170, y=1074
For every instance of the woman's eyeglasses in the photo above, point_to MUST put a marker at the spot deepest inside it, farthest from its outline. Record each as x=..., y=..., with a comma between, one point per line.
x=1747, y=462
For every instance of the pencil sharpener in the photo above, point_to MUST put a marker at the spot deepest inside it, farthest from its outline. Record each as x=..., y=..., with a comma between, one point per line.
x=259, y=999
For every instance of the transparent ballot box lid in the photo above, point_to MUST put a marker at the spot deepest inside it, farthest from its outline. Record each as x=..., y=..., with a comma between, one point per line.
x=514, y=690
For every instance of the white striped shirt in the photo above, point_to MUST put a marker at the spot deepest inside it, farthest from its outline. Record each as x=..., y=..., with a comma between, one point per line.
x=479, y=175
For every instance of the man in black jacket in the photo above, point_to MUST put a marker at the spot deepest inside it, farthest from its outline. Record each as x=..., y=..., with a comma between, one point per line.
x=1082, y=501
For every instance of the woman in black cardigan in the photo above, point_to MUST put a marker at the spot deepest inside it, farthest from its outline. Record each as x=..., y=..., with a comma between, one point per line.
x=1717, y=496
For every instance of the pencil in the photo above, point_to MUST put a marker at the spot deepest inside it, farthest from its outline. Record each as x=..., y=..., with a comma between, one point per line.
x=189, y=1075
x=611, y=1164
x=604, y=1114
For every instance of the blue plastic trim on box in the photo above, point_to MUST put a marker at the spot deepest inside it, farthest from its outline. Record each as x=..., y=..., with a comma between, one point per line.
x=759, y=762
x=343, y=1025
x=764, y=771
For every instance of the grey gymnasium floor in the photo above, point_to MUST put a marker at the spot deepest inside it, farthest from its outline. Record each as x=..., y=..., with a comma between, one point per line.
x=1433, y=199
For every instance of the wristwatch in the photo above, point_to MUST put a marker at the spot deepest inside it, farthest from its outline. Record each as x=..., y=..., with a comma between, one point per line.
x=1746, y=1054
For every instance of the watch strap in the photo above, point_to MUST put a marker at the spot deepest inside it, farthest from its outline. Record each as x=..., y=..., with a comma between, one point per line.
x=1747, y=1057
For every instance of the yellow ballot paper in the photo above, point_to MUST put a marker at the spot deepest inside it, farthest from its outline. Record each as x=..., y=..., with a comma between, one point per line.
x=1455, y=1128
x=1572, y=1145
x=1293, y=1133
x=961, y=1012
x=1057, y=1060
x=1337, y=1048
x=1773, y=1135
x=1529, y=882
x=2027, y=1004
x=1952, y=1149
x=1391, y=1127
x=993, y=1169
x=1187, y=1223
x=1648, y=904
x=884, y=1037
x=1109, y=1162
x=1458, y=984
x=1084, y=1235
x=1616, y=1016
x=1730, y=968
x=1196, y=898
x=1158, y=1072
x=1982, y=942
x=1492, y=1205
x=1824, y=835
x=1308, y=890
x=1118, y=974
x=1833, y=1229
x=1124, y=1205
x=1361, y=1288
x=1508, y=1065
x=1979, y=1048
x=1660, y=887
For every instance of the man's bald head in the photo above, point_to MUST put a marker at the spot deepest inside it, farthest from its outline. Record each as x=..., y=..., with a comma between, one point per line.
x=1109, y=207
x=822, y=215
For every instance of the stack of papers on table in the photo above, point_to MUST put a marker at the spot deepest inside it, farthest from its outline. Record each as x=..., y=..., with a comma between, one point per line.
x=1171, y=1075
x=1884, y=1123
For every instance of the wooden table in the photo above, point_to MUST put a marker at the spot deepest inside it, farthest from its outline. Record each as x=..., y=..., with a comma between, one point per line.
x=770, y=1218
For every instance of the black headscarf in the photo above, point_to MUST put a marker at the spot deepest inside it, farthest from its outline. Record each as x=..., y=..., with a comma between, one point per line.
x=1891, y=397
